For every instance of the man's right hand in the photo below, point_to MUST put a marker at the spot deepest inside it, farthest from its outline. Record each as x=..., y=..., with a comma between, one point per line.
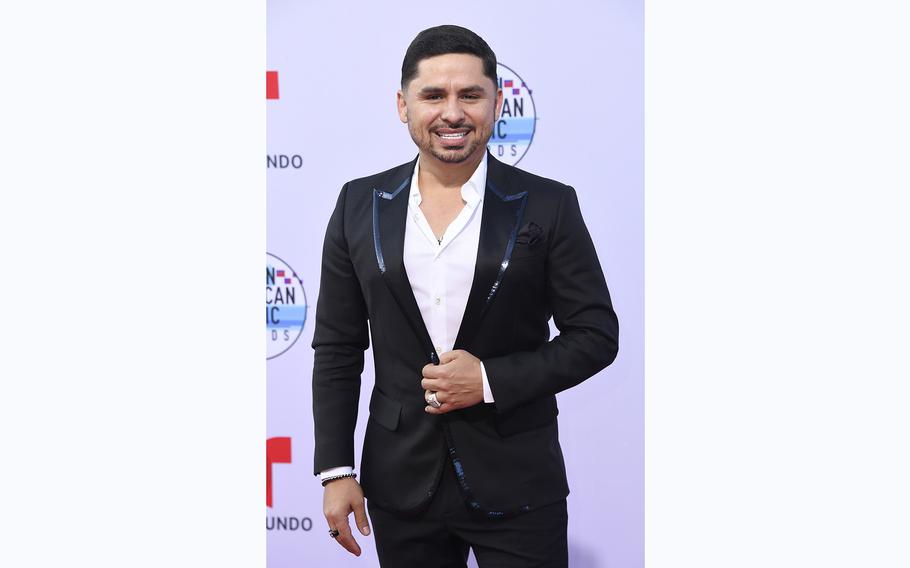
x=342, y=496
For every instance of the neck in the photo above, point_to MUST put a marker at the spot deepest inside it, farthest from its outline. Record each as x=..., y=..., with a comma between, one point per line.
x=436, y=172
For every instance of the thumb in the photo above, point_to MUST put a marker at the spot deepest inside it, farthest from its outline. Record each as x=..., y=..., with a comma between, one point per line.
x=360, y=517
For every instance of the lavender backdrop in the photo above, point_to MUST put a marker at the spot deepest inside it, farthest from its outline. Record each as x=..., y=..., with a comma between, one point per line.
x=337, y=67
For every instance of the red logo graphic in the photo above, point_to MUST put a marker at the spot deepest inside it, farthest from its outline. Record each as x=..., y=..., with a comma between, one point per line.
x=277, y=450
x=271, y=84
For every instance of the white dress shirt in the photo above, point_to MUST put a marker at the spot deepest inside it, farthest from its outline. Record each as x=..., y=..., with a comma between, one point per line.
x=441, y=272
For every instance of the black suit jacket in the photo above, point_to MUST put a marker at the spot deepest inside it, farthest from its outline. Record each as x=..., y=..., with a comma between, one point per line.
x=535, y=260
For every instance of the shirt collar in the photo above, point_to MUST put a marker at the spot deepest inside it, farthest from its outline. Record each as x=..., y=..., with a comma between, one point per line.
x=471, y=192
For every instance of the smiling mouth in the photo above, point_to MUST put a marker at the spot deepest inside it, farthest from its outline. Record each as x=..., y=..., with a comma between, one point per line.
x=452, y=139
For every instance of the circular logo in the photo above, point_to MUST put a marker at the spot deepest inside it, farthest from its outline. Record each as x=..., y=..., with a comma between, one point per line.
x=514, y=131
x=285, y=306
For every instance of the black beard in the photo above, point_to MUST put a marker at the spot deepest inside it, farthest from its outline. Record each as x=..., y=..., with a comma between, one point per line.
x=454, y=155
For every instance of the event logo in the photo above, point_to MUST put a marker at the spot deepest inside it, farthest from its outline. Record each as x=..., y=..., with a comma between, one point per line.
x=285, y=306
x=271, y=84
x=514, y=131
x=283, y=161
x=278, y=450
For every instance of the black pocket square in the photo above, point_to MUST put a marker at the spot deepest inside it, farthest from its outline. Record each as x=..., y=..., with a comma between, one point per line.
x=530, y=234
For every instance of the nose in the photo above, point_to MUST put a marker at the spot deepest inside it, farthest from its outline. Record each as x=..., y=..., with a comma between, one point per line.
x=452, y=113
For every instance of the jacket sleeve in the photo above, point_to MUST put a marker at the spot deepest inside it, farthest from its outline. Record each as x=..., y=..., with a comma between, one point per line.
x=339, y=340
x=588, y=337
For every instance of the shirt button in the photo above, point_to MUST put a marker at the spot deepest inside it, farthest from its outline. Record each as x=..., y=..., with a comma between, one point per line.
x=438, y=301
x=438, y=349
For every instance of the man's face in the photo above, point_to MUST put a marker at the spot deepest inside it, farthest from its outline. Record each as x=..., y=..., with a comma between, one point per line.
x=450, y=107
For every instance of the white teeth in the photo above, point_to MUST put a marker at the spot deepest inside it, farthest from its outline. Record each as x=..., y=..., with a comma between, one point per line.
x=453, y=136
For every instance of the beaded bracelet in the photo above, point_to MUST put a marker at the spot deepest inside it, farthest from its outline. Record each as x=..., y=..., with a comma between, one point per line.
x=334, y=477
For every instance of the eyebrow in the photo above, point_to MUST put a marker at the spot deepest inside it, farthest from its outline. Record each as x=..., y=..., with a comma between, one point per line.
x=437, y=90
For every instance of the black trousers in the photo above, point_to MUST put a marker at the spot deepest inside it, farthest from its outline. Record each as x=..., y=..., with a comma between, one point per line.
x=441, y=536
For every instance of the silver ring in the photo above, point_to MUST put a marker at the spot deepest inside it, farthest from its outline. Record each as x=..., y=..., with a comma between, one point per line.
x=431, y=398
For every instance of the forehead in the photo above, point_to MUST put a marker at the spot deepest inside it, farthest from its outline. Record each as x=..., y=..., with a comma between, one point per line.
x=451, y=68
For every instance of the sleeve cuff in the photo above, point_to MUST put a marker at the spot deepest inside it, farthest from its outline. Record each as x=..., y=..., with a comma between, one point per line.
x=343, y=470
x=487, y=391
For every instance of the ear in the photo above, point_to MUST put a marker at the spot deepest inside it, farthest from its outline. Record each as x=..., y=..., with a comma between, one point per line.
x=498, y=104
x=402, y=107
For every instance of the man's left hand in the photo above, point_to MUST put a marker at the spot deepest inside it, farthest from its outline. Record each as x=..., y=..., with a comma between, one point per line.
x=456, y=380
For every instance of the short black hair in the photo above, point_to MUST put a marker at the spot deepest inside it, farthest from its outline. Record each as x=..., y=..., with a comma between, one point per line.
x=442, y=40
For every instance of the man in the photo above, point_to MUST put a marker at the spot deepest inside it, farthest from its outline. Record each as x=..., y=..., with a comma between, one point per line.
x=457, y=262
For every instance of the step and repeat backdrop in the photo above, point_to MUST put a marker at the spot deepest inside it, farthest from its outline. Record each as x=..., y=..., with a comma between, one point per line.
x=572, y=77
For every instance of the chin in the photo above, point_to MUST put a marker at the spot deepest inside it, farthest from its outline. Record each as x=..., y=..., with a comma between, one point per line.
x=454, y=155
x=450, y=157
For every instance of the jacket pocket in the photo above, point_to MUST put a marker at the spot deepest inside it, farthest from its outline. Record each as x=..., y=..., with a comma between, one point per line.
x=384, y=410
x=531, y=416
x=521, y=251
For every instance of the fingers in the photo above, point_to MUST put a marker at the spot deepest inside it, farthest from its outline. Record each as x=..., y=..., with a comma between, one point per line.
x=337, y=510
x=432, y=372
x=443, y=408
x=341, y=497
x=449, y=356
x=360, y=518
x=435, y=371
x=443, y=370
x=344, y=538
x=436, y=377
x=440, y=398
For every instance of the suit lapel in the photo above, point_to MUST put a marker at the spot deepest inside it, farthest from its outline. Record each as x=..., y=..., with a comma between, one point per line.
x=390, y=210
x=503, y=210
